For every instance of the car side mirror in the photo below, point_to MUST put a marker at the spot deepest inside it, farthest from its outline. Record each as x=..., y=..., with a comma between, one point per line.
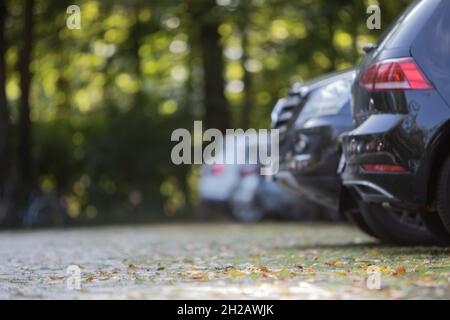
x=369, y=48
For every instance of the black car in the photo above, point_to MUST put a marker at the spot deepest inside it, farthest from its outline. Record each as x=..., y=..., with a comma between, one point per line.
x=398, y=160
x=311, y=121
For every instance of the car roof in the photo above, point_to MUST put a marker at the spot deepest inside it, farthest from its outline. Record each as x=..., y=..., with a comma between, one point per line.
x=306, y=87
x=404, y=30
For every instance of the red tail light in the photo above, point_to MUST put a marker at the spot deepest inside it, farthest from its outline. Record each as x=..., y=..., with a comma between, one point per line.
x=246, y=171
x=217, y=169
x=395, y=74
x=383, y=168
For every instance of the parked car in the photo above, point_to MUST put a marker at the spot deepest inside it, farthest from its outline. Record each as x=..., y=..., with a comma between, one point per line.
x=398, y=159
x=311, y=121
x=240, y=191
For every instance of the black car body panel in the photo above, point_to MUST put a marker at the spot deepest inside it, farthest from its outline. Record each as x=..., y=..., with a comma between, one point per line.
x=403, y=128
x=310, y=150
x=431, y=49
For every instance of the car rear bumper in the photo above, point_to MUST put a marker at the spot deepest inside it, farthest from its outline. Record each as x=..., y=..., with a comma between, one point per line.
x=322, y=190
x=378, y=141
x=286, y=180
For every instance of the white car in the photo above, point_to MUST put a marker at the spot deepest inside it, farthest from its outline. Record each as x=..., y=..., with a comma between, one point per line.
x=243, y=193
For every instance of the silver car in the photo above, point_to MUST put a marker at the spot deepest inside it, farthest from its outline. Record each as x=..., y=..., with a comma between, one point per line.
x=240, y=191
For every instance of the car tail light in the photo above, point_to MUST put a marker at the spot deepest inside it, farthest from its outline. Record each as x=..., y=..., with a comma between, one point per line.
x=217, y=169
x=395, y=74
x=248, y=171
x=383, y=168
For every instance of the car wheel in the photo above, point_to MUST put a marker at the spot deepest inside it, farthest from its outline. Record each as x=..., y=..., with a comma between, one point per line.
x=203, y=210
x=355, y=217
x=246, y=212
x=436, y=227
x=396, y=226
x=442, y=195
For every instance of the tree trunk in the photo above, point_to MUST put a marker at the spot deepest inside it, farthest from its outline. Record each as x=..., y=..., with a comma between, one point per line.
x=206, y=20
x=25, y=174
x=357, y=8
x=247, y=105
x=213, y=68
x=4, y=111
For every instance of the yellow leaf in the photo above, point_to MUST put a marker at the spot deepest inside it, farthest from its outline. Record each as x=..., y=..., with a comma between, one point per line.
x=235, y=273
x=385, y=269
x=285, y=273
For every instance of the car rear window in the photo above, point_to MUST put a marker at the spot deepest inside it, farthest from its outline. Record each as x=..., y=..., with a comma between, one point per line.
x=403, y=31
x=328, y=100
x=431, y=50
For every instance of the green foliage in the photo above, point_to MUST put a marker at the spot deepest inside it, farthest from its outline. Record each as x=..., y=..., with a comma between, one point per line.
x=105, y=98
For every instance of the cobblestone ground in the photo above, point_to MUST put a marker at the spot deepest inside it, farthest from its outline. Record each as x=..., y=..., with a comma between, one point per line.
x=217, y=261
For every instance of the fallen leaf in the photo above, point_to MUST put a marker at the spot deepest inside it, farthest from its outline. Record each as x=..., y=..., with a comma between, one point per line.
x=399, y=271
x=104, y=279
x=262, y=268
x=55, y=278
x=225, y=267
x=200, y=276
x=285, y=273
x=188, y=260
x=235, y=273
x=267, y=275
x=385, y=269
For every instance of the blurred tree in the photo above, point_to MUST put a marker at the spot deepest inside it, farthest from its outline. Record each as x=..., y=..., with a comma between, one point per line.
x=94, y=125
x=207, y=18
x=244, y=26
x=25, y=170
x=4, y=110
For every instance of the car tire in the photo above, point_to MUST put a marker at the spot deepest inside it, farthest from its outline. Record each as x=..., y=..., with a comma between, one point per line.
x=434, y=223
x=203, y=210
x=442, y=195
x=246, y=212
x=395, y=227
x=355, y=217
